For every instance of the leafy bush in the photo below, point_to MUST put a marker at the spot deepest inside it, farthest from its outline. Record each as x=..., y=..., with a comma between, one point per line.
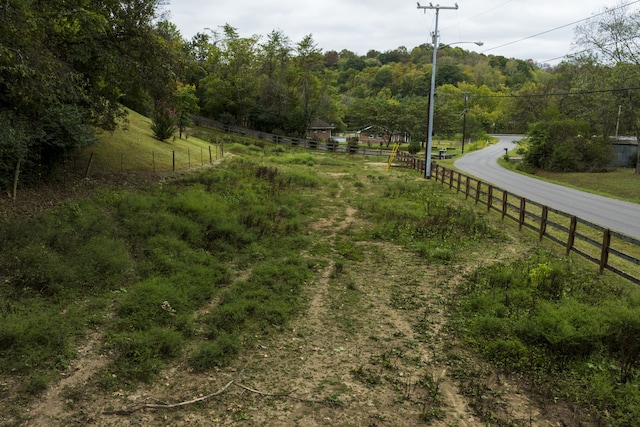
x=216, y=353
x=565, y=146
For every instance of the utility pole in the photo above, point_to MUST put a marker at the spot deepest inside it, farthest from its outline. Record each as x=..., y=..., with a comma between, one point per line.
x=464, y=119
x=427, y=164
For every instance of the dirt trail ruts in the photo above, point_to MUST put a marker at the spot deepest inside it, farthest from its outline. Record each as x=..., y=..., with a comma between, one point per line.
x=371, y=349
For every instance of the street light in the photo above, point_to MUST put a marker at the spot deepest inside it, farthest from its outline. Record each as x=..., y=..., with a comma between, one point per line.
x=427, y=160
x=449, y=44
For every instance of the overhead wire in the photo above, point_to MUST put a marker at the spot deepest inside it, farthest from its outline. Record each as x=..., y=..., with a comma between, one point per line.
x=560, y=27
x=579, y=92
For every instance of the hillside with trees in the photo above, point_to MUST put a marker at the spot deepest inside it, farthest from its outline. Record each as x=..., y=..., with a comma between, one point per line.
x=67, y=70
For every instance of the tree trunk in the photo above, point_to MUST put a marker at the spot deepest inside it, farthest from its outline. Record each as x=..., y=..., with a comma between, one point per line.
x=15, y=180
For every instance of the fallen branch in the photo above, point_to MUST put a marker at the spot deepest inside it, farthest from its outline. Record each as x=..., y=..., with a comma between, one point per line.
x=285, y=395
x=129, y=411
x=172, y=405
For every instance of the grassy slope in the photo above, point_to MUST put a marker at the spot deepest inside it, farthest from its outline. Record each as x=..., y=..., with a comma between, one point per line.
x=133, y=147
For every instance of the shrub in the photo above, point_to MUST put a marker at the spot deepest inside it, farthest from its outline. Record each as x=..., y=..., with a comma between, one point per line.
x=163, y=121
x=414, y=147
x=216, y=353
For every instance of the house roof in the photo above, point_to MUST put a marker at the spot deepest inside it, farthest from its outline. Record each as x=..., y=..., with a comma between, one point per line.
x=321, y=124
x=372, y=127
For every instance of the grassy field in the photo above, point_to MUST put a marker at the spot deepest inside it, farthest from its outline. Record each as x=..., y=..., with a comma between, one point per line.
x=281, y=286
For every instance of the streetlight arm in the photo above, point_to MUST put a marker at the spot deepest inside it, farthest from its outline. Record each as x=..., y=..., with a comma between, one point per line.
x=449, y=44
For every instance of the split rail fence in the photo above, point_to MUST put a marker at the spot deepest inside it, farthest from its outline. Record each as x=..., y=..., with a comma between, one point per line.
x=612, y=251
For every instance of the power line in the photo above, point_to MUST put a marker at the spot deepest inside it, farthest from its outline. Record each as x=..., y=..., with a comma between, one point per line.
x=579, y=92
x=560, y=27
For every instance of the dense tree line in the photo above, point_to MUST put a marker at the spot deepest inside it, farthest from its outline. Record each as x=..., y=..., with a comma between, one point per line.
x=68, y=68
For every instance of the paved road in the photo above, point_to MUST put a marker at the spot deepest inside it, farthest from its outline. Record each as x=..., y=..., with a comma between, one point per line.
x=617, y=215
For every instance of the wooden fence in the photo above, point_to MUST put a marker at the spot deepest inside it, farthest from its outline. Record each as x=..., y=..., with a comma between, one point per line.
x=310, y=143
x=609, y=249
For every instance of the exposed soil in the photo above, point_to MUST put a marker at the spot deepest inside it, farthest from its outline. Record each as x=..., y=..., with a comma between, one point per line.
x=371, y=349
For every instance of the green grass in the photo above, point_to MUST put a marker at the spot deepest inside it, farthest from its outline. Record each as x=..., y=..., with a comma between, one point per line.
x=570, y=334
x=200, y=269
x=132, y=147
x=157, y=255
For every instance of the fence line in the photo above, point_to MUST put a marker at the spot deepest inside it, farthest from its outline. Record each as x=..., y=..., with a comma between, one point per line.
x=313, y=144
x=612, y=251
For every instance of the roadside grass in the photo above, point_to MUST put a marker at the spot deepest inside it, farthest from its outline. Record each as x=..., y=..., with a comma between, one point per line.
x=571, y=334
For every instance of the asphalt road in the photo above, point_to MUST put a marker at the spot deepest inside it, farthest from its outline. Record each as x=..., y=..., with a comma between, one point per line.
x=617, y=215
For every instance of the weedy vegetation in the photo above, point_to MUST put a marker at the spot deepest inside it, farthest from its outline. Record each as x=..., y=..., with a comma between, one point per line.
x=202, y=269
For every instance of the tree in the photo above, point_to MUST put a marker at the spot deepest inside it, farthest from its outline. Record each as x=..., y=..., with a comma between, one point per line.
x=613, y=38
x=566, y=146
x=67, y=67
x=186, y=105
x=310, y=83
x=231, y=86
x=163, y=121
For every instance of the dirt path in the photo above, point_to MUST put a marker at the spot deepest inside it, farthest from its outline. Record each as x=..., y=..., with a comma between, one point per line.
x=372, y=349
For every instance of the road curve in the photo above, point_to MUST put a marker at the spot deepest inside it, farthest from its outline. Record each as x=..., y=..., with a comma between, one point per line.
x=617, y=215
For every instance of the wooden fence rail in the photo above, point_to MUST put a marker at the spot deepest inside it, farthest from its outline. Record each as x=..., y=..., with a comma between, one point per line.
x=611, y=250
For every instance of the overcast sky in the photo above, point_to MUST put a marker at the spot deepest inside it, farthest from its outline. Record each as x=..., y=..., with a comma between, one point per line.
x=362, y=25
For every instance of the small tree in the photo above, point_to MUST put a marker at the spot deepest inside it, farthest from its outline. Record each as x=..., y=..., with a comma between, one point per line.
x=163, y=122
x=186, y=104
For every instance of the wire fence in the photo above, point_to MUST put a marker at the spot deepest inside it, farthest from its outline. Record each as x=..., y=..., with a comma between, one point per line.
x=610, y=250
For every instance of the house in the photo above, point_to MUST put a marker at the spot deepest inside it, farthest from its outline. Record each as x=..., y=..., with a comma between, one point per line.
x=377, y=135
x=320, y=130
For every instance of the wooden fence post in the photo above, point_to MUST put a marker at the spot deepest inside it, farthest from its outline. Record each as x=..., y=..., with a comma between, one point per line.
x=458, y=186
x=14, y=194
x=523, y=212
x=504, y=203
x=572, y=234
x=543, y=221
x=466, y=191
x=489, y=198
x=210, y=157
x=604, y=255
x=450, y=179
x=478, y=187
